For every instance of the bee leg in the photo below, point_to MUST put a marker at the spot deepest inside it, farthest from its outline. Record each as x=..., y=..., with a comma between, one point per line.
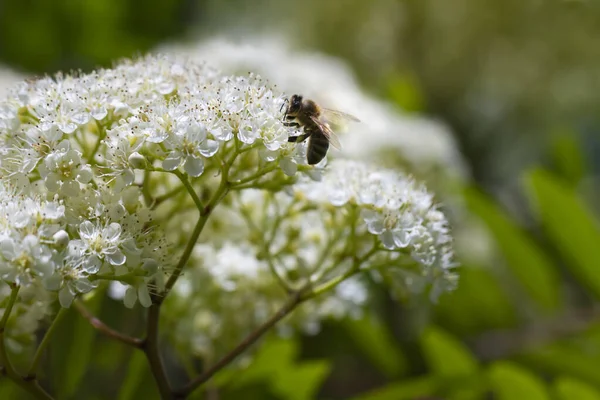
x=294, y=124
x=299, y=138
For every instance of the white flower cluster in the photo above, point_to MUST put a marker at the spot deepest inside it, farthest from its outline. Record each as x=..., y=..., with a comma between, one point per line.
x=397, y=210
x=97, y=168
x=66, y=245
x=230, y=292
x=73, y=209
x=358, y=219
x=167, y=109
x=425, y=145
x=386, y=135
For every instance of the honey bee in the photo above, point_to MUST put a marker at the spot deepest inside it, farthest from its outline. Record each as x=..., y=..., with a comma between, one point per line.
x=314, y=120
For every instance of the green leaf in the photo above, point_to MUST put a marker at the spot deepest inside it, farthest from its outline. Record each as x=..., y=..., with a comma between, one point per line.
x=509, y=381
x=135, y=374
x=71, y=349
x=377, y=343
x=565, y=359
x=567, y=155
x=525, y=259
x=446, y=356
x=274, y=364
x=10, y=390
x=405, y=390
x=301, y=382
x=570, y=225
x=274, y=354
x=568, y=388
x=492, y=309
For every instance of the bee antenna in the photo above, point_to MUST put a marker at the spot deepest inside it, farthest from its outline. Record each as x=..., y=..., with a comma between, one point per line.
x=286, y=101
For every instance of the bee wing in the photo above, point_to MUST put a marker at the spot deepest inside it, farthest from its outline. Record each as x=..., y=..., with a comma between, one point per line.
x=337, y=116
x=329, y=134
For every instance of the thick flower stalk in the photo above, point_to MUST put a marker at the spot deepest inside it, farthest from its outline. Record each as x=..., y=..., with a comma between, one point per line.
x=176, y=187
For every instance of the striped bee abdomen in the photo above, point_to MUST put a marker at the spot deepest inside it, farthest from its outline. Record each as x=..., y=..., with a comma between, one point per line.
x=318, y=145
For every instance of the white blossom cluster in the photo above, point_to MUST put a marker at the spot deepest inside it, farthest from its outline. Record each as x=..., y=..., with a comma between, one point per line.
x=229, y=292
x=386, y=135
x=104, y=176
x=158, y=108
x=74, y=204
x=70, y=215
x=400, y=212
x=67, y=245
x=358, y=219
x=426, y=146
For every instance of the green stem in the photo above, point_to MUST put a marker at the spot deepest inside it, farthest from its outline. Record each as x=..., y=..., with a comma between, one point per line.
x=330, y=284
x=268, y=185
x=270, y=262
x=44, y=343
x=288, y=307
x=152, y=352
x=254, y=176
x=295, y=299
x=11, y=302
x=333, y=282
x=3, y=352
x=161, y=199
x=204, y=215
x=101, y=136
x=265, y=249
x=150, y=344
x=190, y=190
x=146, y=189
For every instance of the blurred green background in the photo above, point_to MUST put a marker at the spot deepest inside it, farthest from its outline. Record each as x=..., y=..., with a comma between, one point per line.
x=519, y=84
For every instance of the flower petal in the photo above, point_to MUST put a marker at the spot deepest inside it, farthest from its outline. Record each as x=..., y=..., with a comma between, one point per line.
x=87, y=230
x=116, y=258
x=144, y=296
x=194, y=166
x=65, y=297
x=112, y=232
x=172, y=162
x=130, y=297
x=288, y=166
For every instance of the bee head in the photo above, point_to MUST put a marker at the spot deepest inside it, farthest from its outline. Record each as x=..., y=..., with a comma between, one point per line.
x=295, y=104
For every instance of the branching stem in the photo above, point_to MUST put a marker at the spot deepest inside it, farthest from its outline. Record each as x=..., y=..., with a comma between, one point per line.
x=105, y=329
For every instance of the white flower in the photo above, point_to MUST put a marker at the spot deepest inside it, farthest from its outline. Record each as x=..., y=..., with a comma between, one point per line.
x=98, y=243
x=63, y=170
x=189, y=145
x=21, y=261
x=121, y=145
x=69, y=279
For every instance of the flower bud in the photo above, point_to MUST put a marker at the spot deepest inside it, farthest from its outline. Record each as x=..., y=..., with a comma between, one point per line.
x=150, y=265
x=61, y=239
x=137, y=161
